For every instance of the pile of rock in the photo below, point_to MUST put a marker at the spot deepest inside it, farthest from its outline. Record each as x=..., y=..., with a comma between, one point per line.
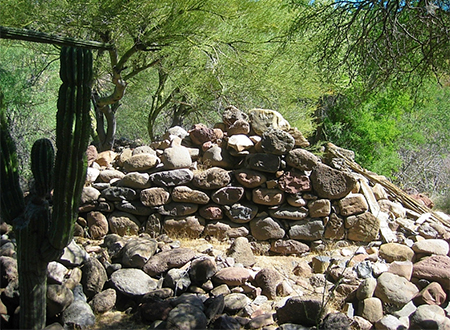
x=247, y=182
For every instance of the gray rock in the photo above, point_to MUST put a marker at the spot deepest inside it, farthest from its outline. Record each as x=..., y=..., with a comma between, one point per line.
x=135, y=180
x=115, y=194
x=302, y=159
x=176, y=157
x=59, y=297
x=266, y=228
x=177, y=279
x=171, y=178
x=289, y=212
x=188, y=227
x=263, y=162
x=184, y=194
x=277, y=142
x=218, y=157
x=429, y=317
x=187, y=317
x=73, y=255
x=202, y=269
x=104, y=301
x=301, y=310
x=234, y=302
x=133, y=207
x=212, y=178
x=241, y=213
x=138, y=251
x=390, y=322
x=227, y=195
x=94, y=277
x=394, y=289
x=79, y=314
x=114, y=244
x=336, y=321
x=308, y=230
x=133, y=282
x=177, y=209
x=123, y=223
x=242, y=252
x=56, y=272
x=214, y=306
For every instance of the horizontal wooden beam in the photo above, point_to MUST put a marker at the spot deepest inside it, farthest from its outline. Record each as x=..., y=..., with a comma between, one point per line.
x=45, y=38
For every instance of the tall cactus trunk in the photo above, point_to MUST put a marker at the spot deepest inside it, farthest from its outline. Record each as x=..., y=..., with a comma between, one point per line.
x=43, y=233
x=32, y=269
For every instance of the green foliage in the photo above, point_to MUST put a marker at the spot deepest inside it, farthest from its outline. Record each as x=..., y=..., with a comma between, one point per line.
x=187, y=60
x=29, y=80
x=377, y=40
x=369, y=127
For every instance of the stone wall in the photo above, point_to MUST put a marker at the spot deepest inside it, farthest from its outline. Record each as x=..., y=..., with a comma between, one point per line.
x=248, y=176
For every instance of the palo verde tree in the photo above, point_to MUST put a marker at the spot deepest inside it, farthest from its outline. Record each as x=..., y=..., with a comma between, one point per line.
x=193, y=55
x=379, y=40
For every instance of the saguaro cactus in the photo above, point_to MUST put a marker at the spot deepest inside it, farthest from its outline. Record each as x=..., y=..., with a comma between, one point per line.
x=42, y=232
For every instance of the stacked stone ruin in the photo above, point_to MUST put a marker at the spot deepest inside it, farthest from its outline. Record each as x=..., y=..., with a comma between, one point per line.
x=249, y=182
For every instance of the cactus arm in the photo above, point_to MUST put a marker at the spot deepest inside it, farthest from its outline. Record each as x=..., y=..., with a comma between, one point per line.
x=42, y=159
x=11, y=195
x=72, y=135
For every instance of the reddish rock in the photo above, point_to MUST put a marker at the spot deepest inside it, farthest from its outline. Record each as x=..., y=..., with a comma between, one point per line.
x=211, y=212
x=424, y=199
x=435, y=268
x=249, y=178
x=98, y=224
x=330, y=183
x=92, y=154
x=268, y=280
x=200, y=134
x=294, y=182
x=232, y=276
x=432, y=294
